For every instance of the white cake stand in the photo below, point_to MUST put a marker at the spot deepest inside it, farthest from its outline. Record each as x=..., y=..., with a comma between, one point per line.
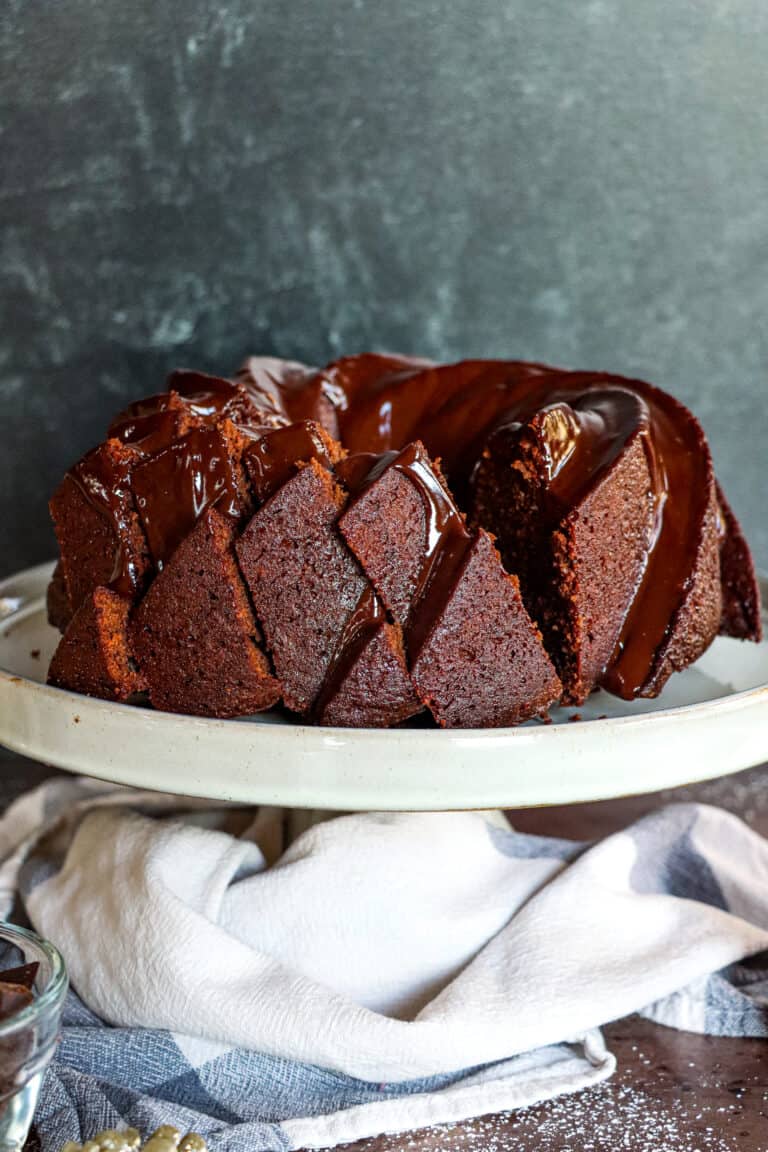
x=711, y=719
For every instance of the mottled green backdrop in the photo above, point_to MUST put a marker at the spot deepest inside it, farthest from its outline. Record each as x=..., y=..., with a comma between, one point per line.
x=185, y=182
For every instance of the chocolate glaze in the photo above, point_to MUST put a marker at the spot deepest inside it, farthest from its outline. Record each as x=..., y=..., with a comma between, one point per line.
x=104, y=478
x=364, y=622
x=273, y=457
x=289, y=389
x=454, y=409
x=208, y=396
x=151, y=431
x=129, y=424
x=582, y=435
x=196, y=400
x=174, y=487
x=446, y=539
x=365, y=391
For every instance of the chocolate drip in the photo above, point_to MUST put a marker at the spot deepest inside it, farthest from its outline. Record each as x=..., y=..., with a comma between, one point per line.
x=362, y=625
x=174, y=487
x=446, y=539
x=684, y=492
x=104, y=478
x=273, y=457
x=358, y=471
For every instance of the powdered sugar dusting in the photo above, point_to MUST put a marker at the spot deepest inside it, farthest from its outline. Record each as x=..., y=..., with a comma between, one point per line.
x=674, y=1092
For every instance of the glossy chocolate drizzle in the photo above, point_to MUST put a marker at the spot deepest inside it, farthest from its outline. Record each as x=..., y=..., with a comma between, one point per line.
x=189, y=465
x=273, y=457
x=104, y=478
x=362, y=625
x=210, y=397
x=446, y=539
x=274, y=385
x=581, y=436
x=455, y=409
x=197, y=400
x=174, y=487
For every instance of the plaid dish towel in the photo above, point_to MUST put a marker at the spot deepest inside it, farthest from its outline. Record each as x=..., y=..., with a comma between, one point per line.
x=382, y=973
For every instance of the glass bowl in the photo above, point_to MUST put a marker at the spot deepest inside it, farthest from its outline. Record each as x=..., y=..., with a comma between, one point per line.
x=28, y=1037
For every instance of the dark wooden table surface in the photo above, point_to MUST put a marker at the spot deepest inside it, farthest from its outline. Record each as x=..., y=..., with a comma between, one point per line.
x=673, y=1091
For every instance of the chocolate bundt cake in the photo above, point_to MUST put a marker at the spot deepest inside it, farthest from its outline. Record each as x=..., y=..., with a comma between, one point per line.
x=388, y=535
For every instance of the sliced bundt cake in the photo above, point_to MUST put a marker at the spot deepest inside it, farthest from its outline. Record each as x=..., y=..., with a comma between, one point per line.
x=223, y=550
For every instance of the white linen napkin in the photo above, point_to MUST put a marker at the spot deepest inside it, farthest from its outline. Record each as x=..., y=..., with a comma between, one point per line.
x=386, y=947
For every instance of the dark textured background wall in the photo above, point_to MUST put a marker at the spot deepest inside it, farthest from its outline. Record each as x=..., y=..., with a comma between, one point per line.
x=185, y=182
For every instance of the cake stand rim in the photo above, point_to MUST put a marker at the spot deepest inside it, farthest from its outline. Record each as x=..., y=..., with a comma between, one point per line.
x=29, y=712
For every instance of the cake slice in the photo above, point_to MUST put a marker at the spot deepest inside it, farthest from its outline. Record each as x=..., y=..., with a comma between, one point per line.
x=337, y=657
x=194, y=634
x=475, y=657
x=101, y=540
x=366, y=683
x=576, y=532
x=94, y=655
x=603, y=500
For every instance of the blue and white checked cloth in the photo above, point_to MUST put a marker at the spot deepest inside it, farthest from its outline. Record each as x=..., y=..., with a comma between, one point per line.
x=383, y=973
